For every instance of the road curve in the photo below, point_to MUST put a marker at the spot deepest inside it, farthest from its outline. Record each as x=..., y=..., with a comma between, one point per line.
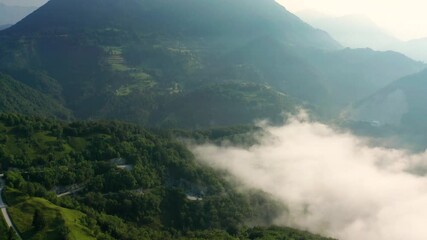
x=4, y=210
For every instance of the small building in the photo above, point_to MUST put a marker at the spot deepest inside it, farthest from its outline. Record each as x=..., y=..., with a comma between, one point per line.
x=126, y=167
x=194, y=198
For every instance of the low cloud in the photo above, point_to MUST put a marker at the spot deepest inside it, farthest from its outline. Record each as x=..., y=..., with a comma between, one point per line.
x=333, y=183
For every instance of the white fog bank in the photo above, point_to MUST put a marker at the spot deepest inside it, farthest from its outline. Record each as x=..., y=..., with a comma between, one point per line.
x=333, y=183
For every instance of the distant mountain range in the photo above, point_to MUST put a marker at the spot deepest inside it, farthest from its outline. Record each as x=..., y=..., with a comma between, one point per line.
x=400, y=103
x=396, y=115
x=187, y=63
x=416, y=49
x=358, y=31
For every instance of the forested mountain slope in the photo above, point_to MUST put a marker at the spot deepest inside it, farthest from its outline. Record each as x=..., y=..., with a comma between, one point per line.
x=134, y=60
x=395, y=115
x=129, y=183
x=18, y=97
x=400, y=103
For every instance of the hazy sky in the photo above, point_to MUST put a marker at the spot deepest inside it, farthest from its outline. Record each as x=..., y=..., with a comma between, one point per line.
x=24, y=2
x=406, y=19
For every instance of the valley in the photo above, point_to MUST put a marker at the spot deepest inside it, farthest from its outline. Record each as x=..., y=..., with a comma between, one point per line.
x=105, y=105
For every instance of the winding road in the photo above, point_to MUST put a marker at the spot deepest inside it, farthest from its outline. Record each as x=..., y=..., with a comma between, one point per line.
x=70, y=192
x=3, y=207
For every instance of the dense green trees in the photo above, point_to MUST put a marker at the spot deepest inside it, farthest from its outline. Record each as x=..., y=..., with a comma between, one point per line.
x=18, y=97
x=131, y=183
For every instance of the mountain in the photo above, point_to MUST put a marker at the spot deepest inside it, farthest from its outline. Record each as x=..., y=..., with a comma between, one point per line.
x=226, y=104
x=10, y=14
x=134, y=60
x=358, y=31
x=399, y=104
x=354, y=31
x=18, y=97
x=243, y=19
x=395, y=116
x=417, y=48
x=354, y=74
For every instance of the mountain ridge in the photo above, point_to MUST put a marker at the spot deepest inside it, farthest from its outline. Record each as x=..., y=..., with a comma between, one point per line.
x=361, y=32
x=134, y=59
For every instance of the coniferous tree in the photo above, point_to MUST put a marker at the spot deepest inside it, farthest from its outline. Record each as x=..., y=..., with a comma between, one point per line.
x=63, y=230
x=11, y=234
x=39, y=221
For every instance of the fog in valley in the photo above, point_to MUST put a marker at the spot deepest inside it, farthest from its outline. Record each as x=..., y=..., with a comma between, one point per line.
x=332, y=182
x=140, y=119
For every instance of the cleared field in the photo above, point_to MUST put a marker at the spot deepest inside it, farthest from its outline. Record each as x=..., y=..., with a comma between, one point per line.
x=22, y=212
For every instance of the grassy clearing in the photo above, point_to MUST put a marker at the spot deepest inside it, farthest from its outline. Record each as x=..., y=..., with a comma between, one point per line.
x=115, y=59
x=140, y=79
x=78, y=143
x=140, y=75
x=140, y=86
x=44, y=137
x=2, y=127
x=42, y=142
x=22, y=212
